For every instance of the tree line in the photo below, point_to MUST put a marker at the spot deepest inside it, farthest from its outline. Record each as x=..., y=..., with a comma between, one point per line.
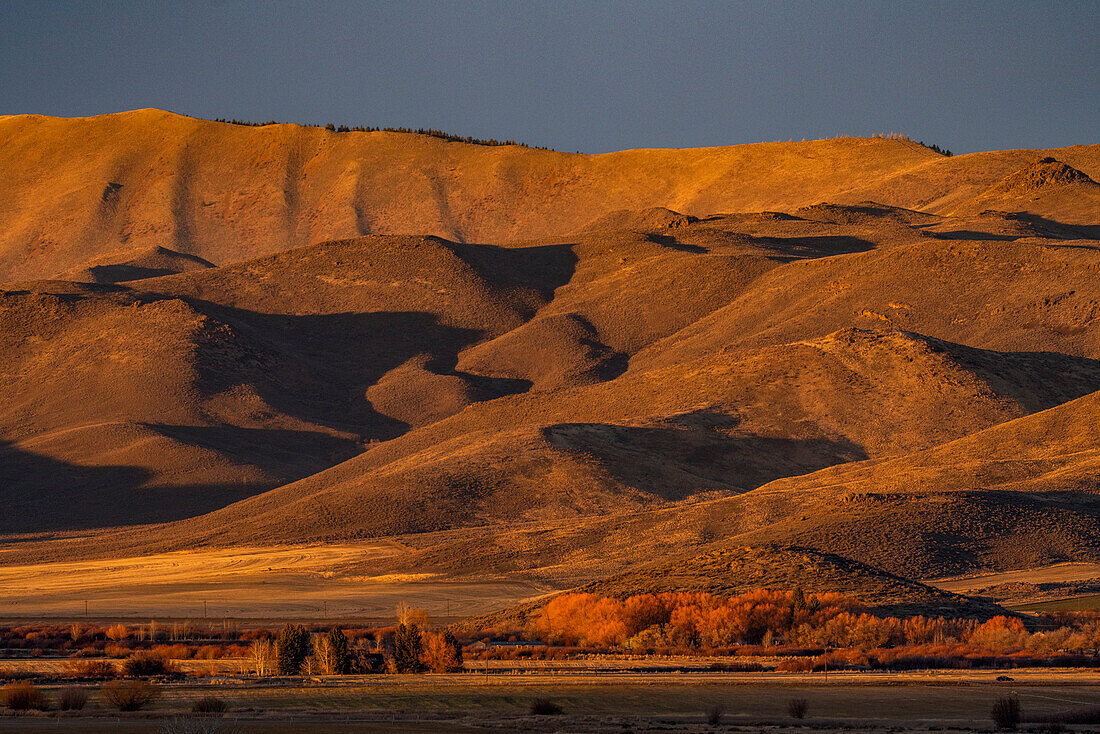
x=431, y=132
x=411, y=648
x=901, y=136
x=793, y=618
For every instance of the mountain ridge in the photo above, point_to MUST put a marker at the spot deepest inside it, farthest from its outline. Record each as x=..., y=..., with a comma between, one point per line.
x=227, y=193
x=570, y=370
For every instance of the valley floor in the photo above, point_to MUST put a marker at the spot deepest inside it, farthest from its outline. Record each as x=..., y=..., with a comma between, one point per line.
x=286, y=582
x=949, y=701
x=317, y=582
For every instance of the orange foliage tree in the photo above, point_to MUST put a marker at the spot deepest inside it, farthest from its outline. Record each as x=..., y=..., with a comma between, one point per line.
x=681, y=619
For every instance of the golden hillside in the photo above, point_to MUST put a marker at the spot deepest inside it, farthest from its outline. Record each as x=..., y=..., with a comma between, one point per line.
x=557, y=368
x=76, y=188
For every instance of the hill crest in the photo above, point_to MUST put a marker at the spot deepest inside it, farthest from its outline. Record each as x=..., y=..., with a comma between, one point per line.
x=79, y=187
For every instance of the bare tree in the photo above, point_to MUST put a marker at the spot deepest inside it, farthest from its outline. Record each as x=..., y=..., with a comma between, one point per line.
x=324, y=659
x=409, y=616
x=262, y=655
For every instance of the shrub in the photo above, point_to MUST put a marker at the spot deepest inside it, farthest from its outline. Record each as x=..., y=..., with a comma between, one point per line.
x=714, y=715
x=292, y=647
x=23, y=696
x=544, y=707
x=209, y=705
x=797, y=708
x=210, y=652
x=193, y=725
x=795, y=665
x=91, y=669
x=72, y=698
x=117, y=632
x=144, y=663
x=1006, y=713
x=1089, y=716
x=172, y=652
x=14, y=675
x=129, y=695
x=117, y=651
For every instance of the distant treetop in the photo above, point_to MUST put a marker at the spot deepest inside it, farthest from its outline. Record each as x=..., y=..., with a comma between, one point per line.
x=899, y=136
x=417, y=131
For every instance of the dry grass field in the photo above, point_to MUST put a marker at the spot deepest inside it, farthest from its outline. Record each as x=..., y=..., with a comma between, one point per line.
x=285, y=582
x=1059, y=586
x=847, y=702
x=1054, y=573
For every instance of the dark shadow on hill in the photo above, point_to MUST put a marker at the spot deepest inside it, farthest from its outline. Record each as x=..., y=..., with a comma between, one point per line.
x=815, y=246
x=542, y=268
x=612, y=363
x=696, y=452
x=1035, y=380
x=1056, y=229
x=665, y=240
x=123, y=273
x=974, y=235
x=41, y=494
x=318, y=367
x=290, y=455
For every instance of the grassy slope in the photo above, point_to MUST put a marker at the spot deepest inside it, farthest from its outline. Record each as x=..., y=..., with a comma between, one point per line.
x=77, y=188
x=898, y=387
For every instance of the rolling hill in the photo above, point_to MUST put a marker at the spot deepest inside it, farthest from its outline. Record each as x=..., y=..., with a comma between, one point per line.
x=76, y=188
x=562, y=367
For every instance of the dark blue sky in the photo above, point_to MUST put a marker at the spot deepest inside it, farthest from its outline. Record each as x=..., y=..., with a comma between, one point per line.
x=593, y=76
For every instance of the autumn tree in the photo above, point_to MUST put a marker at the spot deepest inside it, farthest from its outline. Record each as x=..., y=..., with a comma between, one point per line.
x=442, y=652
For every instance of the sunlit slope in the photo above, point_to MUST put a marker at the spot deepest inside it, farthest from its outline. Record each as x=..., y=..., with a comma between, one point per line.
x=182, y=394
x=1026, y=294
x=721, y=425
x=75, y=188
x=1000, y=180
x=617, y=369
x=1023, y=493
x=224, y=382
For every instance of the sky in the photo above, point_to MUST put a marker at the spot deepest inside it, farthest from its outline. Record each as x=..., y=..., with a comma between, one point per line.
x=577, y=76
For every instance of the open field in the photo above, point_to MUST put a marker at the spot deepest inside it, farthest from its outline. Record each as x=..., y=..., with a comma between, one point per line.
x=1072, y=604
x=254, y=582
x=1057, y=587
x=916, y=701
x=1054, y=573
